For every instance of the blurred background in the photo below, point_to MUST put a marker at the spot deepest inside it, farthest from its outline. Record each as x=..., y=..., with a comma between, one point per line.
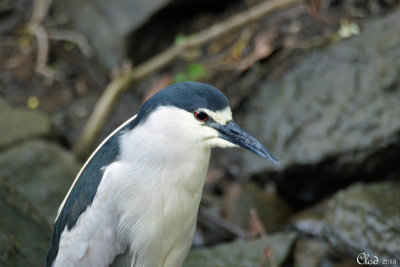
x=318, y=82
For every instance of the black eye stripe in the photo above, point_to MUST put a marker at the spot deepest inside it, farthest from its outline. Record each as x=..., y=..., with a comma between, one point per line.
x=200, y=115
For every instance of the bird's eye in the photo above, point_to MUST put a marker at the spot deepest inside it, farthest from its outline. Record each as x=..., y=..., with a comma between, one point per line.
x=200, y=115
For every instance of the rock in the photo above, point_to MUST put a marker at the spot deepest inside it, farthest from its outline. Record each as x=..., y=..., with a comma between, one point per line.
x=244, y=253
x=21, y=124
x=309, y=252
x=312, y=220
x=108, y=24
x=272, y=211
x=365, y=219
x=313, y=113
x=361, y=219
x=334, y=118
x=24, y=233
x=42, y=171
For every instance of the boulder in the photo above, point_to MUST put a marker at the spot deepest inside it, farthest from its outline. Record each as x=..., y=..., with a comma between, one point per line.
x=42, y=171
x=334, y=118
x=311, y=252
x=24, y=233
x=245, y=253
x=107, y=24
x=311, y=221
x=19, y=124
x=363, y=218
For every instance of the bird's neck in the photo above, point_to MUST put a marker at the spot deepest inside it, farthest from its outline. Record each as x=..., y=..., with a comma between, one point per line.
x=181, y=161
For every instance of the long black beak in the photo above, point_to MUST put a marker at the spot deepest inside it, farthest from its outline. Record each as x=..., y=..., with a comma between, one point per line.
x=235, y=134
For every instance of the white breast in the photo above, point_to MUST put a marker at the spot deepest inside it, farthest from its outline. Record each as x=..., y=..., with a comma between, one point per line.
x=159, y=196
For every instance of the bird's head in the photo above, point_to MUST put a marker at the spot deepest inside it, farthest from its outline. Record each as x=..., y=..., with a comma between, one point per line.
x=197, y=113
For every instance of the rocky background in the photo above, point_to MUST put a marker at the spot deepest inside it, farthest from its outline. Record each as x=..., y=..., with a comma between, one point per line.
x=317, y=82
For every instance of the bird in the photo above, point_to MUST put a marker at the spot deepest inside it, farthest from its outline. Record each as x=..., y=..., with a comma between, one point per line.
x=135, y=200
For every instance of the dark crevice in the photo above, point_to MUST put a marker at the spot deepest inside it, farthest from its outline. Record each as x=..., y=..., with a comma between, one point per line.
x=14, y=13
x=6, y=14
x=305, y=185
x=176, y=18
x=8, y=19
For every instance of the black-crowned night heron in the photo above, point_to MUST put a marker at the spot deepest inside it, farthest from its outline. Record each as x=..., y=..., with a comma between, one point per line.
x=135, y=201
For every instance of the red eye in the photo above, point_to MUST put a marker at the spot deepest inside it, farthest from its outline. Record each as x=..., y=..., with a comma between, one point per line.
x=200, y=115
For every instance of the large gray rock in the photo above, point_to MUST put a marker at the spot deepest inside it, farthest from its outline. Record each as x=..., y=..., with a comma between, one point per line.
x=365, y=218
x=334, y=117
x=246, y=254
x=24, y=233
x=340, y=100
x=107, y=24
x=42, y=171
x=20, y=124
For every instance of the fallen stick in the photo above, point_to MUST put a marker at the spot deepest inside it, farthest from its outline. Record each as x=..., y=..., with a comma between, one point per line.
x=73, y=37
x=35, y=27
x=113, y=91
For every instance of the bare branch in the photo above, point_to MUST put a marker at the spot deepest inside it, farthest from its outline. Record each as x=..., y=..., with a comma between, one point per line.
x=73, y=37
x=40, y=9
x=35, y=27
x=267, y=258
x=42, y=42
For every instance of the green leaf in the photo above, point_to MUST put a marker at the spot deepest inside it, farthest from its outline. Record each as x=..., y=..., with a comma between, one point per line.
x=180, y=39
x=194, y=72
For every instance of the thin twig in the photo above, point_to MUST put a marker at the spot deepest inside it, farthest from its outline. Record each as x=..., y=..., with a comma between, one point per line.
x=256, y=222
x=40, y=9
x=114, y=90
x=267, y=253
x=43, y=49
x=35, y=27
x=43, y=44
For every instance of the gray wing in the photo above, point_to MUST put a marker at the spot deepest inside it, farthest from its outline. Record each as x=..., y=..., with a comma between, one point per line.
x=94, y=240
x=83, y=223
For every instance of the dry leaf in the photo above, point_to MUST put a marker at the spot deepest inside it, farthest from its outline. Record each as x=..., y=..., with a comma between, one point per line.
x=264, y=46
